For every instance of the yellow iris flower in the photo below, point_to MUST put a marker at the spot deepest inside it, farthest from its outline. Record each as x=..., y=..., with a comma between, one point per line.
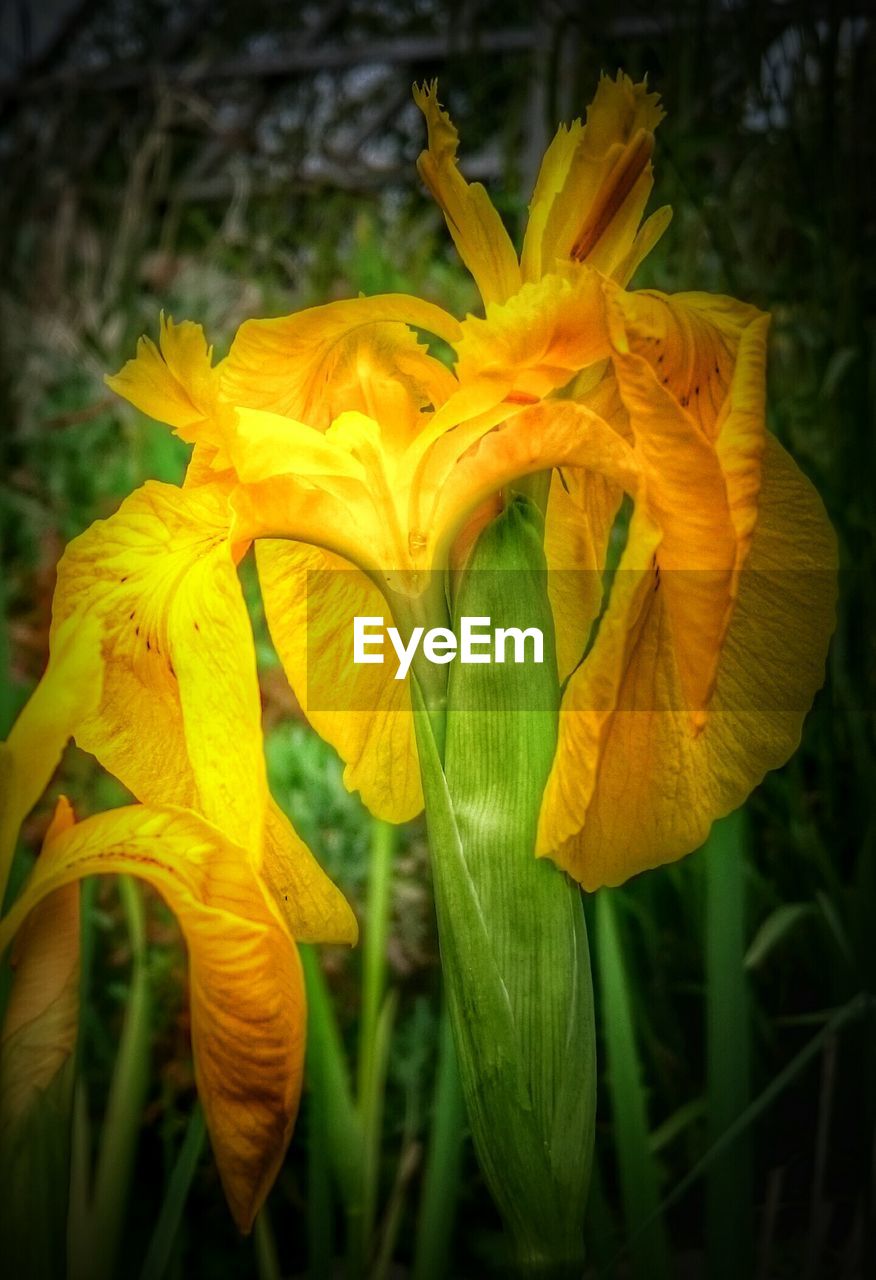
x=153, y=670
x=361, y=466
x=713, y=642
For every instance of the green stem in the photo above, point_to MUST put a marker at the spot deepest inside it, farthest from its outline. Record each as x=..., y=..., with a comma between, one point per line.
x=170, y=1216
x=130, y=1082
x=728, y=1187
x=640, y=1189
x=441, y=1177
x=374, y=946
x=267, y=1261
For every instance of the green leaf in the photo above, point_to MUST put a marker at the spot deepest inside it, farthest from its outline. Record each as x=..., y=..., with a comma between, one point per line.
x=639, y=1178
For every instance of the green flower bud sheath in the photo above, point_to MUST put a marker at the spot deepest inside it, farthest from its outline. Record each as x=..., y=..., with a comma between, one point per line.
x=512, y=933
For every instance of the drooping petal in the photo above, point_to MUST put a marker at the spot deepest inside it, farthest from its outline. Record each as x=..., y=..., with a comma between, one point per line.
x=42, y=1016
x=581, y=509
x=477, y=230
x=174, y=382
x=686, y=493
x=180, y=716
x=594, y=183
x=68, y=692
x=311, y=598
x=310, y=904
x=692, y=343
x=551, y=434
x=658, y=787
x=247, y=996
x=347, y=355
x=179, y=720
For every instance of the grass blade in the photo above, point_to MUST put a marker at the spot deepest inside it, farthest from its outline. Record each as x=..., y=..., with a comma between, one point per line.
x=170, y=1215
x=637, y=1168
x=441, y=1177
x=728, y=1052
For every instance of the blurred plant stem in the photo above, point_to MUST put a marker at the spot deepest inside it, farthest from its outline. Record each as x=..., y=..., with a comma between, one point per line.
x=167, y=1226
x=351, y=1127
x=375, y=1027
x=637, y=1168
x=728, y=1187
x=443, y=1165
x=267, y=1261
x=95, y=1243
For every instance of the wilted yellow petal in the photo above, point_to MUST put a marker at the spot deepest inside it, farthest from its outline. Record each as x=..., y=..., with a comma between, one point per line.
x=658, y=788
x=311, y=598
x=477, y=230
x=247, y=996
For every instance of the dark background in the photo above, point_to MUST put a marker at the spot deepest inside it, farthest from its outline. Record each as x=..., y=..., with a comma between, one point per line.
x=221, y=160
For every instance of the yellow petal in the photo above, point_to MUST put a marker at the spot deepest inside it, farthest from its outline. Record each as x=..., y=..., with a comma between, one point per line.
x=69, y=691
x=658, y=788
x=179, y=720
x=311, y=598
x=477, y=230
x=268, y=444
x=180, y=716
x=686, y=494
x=594, y=183
x=313, y=365
x=692, y=343
x=42, y=1016
x=581, y=509
x=552, y=434
x=247, y=996
x=312, y=907
x=537, y=340
x=173, y=382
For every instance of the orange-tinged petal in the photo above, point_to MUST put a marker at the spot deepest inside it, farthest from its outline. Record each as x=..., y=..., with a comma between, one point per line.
x=247, y=995
x=686, y=493
x=692, y=343
x=556, y=433
x=477, y=230
x=311, y=598
x=593, y=185
x=657, y=787
x=352, y=354
x=174, y=382
x=590, y=699
x=537, y=340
